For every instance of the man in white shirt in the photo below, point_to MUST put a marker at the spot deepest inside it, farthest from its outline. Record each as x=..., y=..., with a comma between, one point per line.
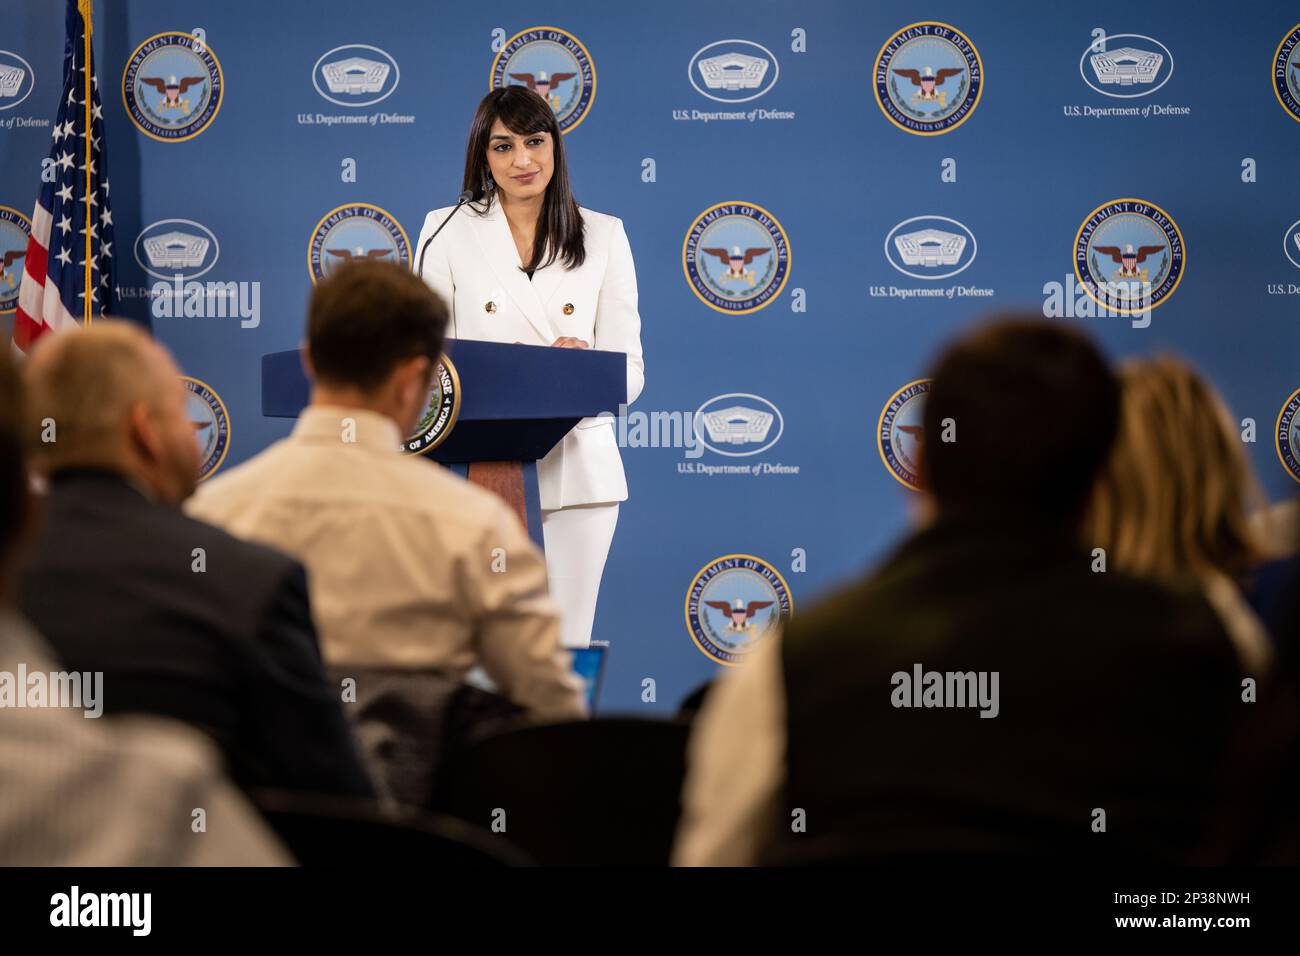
x=410, y=566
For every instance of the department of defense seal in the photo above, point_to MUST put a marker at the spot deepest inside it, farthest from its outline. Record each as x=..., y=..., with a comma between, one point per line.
x=440, y=412
x=355, y=231
x=1129, y=255
x=1286, y=72
x=211, y=424
x=733, y=603
x=1287, y=435
x=736, y=257
x=900, y=432
x=172, y=87
x=15, y=230
x=552, y=63
x=928, y=78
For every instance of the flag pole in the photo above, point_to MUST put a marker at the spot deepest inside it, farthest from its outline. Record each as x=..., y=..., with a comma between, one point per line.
x=85, y=9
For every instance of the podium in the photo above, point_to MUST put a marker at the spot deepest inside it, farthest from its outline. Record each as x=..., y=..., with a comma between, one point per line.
x=515, y=403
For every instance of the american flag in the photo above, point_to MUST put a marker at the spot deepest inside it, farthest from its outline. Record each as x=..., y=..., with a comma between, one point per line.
x=54, y=286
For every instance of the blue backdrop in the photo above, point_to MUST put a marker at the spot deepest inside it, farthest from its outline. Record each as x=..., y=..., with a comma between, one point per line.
x=1026, y=165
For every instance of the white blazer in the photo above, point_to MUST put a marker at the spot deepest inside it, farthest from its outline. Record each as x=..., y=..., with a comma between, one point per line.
x=474, y=265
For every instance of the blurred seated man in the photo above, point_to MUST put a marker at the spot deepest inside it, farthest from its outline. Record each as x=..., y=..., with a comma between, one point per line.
x=84, y=792
x=183, y=620
x=413, y=569
x=989, y=689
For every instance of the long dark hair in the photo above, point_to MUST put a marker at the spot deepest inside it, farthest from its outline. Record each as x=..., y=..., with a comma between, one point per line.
x=559, y=227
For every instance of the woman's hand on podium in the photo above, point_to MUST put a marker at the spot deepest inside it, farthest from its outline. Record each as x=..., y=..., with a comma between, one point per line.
x=569, y=342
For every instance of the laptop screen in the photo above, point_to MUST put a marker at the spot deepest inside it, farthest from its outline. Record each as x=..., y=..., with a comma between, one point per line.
x=589, y=665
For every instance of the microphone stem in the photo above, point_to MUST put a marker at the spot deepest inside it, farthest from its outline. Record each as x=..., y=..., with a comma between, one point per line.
x=419, y=269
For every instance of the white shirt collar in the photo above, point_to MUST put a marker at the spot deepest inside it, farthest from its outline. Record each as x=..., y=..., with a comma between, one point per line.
x=343, y=425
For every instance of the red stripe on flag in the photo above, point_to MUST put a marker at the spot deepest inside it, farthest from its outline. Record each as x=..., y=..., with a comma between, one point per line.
x=27, y=330
x=38, y=260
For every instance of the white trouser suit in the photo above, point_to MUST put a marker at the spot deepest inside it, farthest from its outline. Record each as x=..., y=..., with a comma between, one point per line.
x=474, y=265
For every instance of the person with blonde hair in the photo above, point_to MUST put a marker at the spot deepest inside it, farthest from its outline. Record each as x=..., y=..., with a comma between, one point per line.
x=1175, y=499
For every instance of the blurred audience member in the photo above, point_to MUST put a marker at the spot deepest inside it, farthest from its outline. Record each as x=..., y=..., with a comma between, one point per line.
x=693, y=702
x=1260, y=822
x=1273, y=583
x=82, y=792
x=989, y=689
x=415, y=572
x=1278, y=528
x=183, y=620
x=1175, y=498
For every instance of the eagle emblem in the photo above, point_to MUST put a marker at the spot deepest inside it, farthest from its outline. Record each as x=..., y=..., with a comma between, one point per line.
x=348, y=255
x=172, y=90
x=544, y=84
x=736, y=260
x=1128, y=259
x=740, y=612
x=10, y=258
x=928, y=80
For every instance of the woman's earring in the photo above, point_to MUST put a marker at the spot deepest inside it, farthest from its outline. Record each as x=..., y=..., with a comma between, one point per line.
x=490, y=182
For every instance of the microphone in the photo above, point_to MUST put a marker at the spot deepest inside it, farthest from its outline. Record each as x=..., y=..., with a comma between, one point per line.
x=463, y=198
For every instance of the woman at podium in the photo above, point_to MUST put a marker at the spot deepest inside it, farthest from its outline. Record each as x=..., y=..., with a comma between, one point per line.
x=521, y=261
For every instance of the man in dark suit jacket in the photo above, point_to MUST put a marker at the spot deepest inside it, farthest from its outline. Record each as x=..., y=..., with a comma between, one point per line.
x=182, y=619
x=992, y=688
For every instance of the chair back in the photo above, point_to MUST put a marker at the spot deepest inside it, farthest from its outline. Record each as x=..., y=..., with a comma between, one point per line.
x=334, y=831
x=407, y=722
x=597, y=792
